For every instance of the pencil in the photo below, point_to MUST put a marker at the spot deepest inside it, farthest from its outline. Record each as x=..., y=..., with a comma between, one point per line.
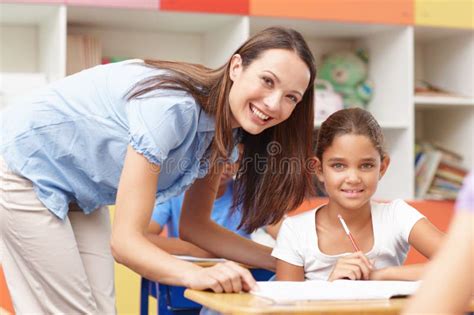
x=348, y=233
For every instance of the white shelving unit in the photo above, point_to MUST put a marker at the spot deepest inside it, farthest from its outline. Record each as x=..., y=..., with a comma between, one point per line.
x=445, y=59
x=33, y=39
x=33, y=47
x=397, y=55
x=387, y=47
x=197, y=38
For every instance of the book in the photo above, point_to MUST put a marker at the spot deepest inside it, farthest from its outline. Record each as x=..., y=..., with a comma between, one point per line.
x=426, y=172
x=436, y=193
x=318, y=290
x=445, y=184
x=451, y=171
x=439, y=172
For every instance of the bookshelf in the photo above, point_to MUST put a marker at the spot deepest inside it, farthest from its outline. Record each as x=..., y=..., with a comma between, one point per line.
x=432, y=102
x=33, y=39
x=444, y=58
x=399, y=54
x=33, y=49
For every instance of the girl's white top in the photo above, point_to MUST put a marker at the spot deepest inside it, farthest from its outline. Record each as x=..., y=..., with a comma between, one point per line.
x=297, y=241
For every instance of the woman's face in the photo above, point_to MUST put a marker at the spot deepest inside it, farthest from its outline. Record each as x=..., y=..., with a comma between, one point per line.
x=267, y=91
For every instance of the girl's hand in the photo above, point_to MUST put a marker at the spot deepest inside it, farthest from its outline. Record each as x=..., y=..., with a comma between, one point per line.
x=225, y=277
x=353, y=267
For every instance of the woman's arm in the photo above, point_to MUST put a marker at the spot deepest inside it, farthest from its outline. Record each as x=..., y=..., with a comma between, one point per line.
x=172, y=245
x=426, y=239
x=131, y=247
x=288, y=272
x=197, y=227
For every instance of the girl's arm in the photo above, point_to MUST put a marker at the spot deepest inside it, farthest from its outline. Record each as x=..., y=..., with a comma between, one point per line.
x=131, y=247
x=288, y=272
x=197, y=227
x=172, y=245
x=426, y=239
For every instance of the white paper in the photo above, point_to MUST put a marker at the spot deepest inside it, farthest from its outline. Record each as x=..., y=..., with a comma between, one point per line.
x=198, y=259
x=317, y=290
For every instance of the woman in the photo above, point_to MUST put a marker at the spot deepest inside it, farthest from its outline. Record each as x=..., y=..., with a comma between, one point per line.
x=134, y=132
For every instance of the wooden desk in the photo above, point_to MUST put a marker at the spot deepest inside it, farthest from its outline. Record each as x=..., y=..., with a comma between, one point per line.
x=245, y=303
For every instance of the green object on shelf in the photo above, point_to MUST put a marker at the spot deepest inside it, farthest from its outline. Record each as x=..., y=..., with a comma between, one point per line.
x=113, y=59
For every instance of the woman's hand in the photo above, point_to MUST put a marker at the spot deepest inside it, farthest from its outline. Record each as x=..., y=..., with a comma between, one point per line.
x=226, y=277
x=353, y=267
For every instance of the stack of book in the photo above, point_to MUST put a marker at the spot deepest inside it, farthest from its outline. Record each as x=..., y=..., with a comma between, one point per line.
x=439, y=172
x=83, y=52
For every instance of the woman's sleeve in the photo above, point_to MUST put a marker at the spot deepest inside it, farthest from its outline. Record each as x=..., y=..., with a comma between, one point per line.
x=160, y=123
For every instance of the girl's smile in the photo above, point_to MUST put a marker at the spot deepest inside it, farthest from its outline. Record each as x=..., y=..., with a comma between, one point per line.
x=351, y=169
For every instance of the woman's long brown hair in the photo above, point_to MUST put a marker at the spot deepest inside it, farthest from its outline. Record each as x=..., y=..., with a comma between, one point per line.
x=275, y=174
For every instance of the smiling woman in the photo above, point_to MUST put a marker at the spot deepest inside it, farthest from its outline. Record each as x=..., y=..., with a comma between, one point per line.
x=138, y=132
x=267, y=91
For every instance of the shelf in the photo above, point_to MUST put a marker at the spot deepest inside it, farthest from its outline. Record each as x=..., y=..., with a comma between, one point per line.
x=452, y=14
x=444, y=102
x=387, y=47
x=321, y=29
x=146, y=20
x=443, y=58
x=370, y=12
x=387, y=125
x=33, y=39
x=190, y=37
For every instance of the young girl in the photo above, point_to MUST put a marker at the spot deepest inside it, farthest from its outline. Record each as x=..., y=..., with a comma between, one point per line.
x=350, y=162
x=130, y=132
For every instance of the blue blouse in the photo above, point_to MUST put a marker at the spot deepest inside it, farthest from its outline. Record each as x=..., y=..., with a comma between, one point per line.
x=70, y=138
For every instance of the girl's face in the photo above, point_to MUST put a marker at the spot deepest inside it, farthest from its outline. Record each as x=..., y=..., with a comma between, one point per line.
x=267, y=91
x=350, y=170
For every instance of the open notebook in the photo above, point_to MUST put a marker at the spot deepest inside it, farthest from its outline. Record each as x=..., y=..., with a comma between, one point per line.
x=292, y=291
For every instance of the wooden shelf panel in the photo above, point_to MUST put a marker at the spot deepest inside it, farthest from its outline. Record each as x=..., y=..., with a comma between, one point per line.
x=389, y=125
x=389, y=12
x=240, y=7
x=433, y=102
x=455, y=14
x=130, y=4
